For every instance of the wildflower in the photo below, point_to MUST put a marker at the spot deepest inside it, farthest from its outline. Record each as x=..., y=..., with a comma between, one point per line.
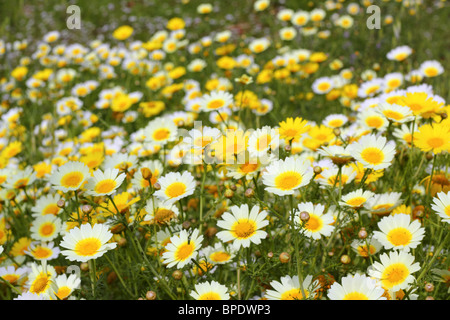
x=210, y=291
x=356, y=287
x=175, y=186
x=104, y=183
x=182, y=248
x=318, y=224
x=70, y=176
x=373, y=152
x=288, y=288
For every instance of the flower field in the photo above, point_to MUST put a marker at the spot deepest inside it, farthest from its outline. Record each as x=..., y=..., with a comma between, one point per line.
x=224, y=150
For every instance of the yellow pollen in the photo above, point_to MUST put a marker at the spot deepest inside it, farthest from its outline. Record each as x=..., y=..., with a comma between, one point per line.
x=47, y=229
x=215, y=104
x=356, y=296
x=374, y=122
x=394, y=275
x=356, y=202
x=288, y=180
x=210, y=296
x=435, y=142
x=161, y=134
x=399, y=236
x=51, y=209
x=175, y=189
x=72, y=179
x=220, y=256
x=314, y=223
x=184, y=251
x=63, y=292
x=244, y=229
x=372, y=155
x=105, y=186
x=40, y=284
x=88, y=247
x=293, y=294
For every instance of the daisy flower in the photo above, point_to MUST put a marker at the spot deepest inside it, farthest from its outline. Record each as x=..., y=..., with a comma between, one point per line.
x=300, y=18
x=41, y=280
x=66, y=285
x=441, y=205
x=243, y=226
x=356, y=287
x=335, y=120
x=46, y=228
x=288, y=288
x=43, y=251
x=87, y=242
x=431, y=68
x=399, y=54
x=319, y=223
x=121, y=161
x=395, y=113
x=372, y=120
x=263, y=141
x=218, y=254
x=160, y=212
x=70, y=176
x=322, y=85
x=373, y=152
x=283, y=177
x=104, y=183
x=395, y=270
x=434, y=138
x=356, y=199
x=339, y=155
x=210, y=291
x=399, y=232
x=14, y=276
x=259, y=45
x=216, y=100
x=175, y=186
x=160, y=131
x=20, y=179
x=366, y=247
x=47, y=204
x=331, y=178
x=383, y=204
x=182, y=248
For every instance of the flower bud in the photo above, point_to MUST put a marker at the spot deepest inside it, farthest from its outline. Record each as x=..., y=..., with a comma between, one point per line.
x=362, y=234
x=146, y=173
x=177, y=274
x=345, y=259
x=61, y=203
x=429, y=287
x=249, y=193
x=150, y=295
x=284, y=257
x=317, y=170
x=304, y=216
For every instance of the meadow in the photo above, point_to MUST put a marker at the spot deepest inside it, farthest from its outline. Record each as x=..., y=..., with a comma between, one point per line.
x=224, y=150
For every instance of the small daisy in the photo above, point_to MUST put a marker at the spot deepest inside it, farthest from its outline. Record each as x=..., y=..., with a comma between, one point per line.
x=395, y=270
x=373, y=152
x=288, y=288
x=46, y=228
x=218, y=254
x=366, y=247
x=243, y=226
x=263, y=141
x=87, y=242
x=356, y=199
x=70, y=176
x=45, y=205
x=319, y=223
x=216, y=100
x=121, y=161
x=371, y=119
x=335, y=120
x=383, y=204
x=339, y=155
x=399, y=232
x=441, y=205
x=395, y=113
x=43, y=251
x=160, y=131
x=14, y=276
x=283, y=177
x=323, y=85
x=182, y=248
x=66, y=285
x=400, y=53
x=357, y=287
x=175, y=186
x=41, y=280
x=431, y=68
x=104, y=183
x=160, y=212
x=210, y=291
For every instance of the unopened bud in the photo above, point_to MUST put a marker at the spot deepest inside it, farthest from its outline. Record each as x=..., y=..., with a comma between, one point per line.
x=86, y=208
x=284, y=257
x=304, y=216
x=362, y=234
x=249, y=193
x=345, y=259
x=429, y=298
x=317, y=170
x=429, y=156
x=150, y=295
x=186, y=224
x=157, y=186
x=177, y=275
x=122, y=242
x=229, y=193
x=429, y=287
x=270, y=255
x=84, y=266
x=146, y=173
x=337, y=132
x=61, y=203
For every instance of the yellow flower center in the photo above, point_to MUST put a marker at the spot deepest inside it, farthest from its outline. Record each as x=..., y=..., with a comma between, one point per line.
x=431, y=72
x=288, y=180
x=399, y=236
x=394, y=274
x=105, y=186
x=393, y=114
x=40, y=284
x=51, y=209
x=356, y=202
x=161, y=134
x=42, y=253
x=209, y=296
x=323, y=86
x=263, y=142
x=248, y=167
x=362, y=250
x=293, y=294
x=400, y=56
x=435, y=142
x=314, y=223
x=184, y=251
x=372, y=155
x=220, y=256
x=47, y=229
x=374, y=121
x=244, y=229
x=88, y=247
x=335, y=123
x=215, y=104
x=72, y=179
x=11, y=278
x=175, y=189
x=63, y=292
x=355, y=296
